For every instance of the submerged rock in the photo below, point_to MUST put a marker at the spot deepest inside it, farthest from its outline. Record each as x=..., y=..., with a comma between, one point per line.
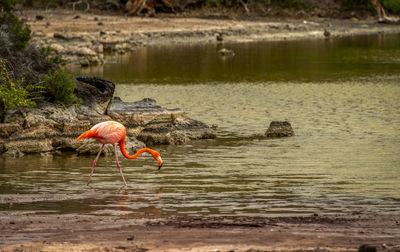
x=279, y=129
x=226, y=52
x=54, y=127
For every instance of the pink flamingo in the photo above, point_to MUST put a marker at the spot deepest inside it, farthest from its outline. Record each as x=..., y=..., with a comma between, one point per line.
x=111, y=132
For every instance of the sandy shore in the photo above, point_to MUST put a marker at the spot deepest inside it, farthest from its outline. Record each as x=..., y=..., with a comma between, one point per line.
x=184, y=29
x=105, y=233
x=83, y=37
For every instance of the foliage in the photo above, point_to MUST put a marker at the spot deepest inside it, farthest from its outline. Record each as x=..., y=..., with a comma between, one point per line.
x=29, y=73
x=21, y=33
x=61, y=86
x=7, y=5
x=351, y=4
x=391, y=5
x=12, y=93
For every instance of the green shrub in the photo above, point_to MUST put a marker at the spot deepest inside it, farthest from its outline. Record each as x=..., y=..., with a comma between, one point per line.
x=7, y=5
x=61, y=85
x=391, y=5
x=12, y=94
x=21, y=33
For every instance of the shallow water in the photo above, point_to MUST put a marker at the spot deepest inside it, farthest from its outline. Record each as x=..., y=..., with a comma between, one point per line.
x=341, y=96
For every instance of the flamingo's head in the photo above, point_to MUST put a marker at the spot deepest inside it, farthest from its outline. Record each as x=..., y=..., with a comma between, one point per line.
x=157, y=157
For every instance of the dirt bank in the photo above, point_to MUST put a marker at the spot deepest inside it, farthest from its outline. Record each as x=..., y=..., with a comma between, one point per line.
x=104, y=233
x=83, y=37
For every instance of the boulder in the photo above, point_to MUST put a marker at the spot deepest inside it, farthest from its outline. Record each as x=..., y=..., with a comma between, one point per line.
x=153, y=124
x=95, y=93
x=279, y=129
x=57, y=48
x=140, y=113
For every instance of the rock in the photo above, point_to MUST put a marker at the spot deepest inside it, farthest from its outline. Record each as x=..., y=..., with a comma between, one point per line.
x=15, y=116
x=327, y=34
x=39, y=17
x=109, y=45
x=279, y=129
x=60, y=36
x=7, y=129
x=220, y=37
x=38, y=132
x=13, y=153
x=98, y=48
x=367, y=248
x=152, y=124
x=84, y=62
x=83, y=51
x=2, y=148
x=94, y=92
x=29, y=146
x=226, y=52
x=140, y=113
x=57, y=48
x=39, y=34
x=2, y=111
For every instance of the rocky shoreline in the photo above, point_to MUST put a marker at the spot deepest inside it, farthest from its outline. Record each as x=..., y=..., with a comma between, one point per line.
x=51, y=128
x=83, y=38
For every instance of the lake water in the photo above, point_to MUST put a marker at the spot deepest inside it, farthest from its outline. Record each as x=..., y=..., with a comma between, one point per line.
x=341, y=97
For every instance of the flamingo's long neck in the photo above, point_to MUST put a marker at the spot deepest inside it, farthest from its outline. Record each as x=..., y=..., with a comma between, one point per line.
x=137, y=154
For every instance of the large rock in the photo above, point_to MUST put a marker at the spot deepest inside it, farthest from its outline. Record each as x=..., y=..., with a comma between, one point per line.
x=140, y=113
x=95, y=93
x=279, y=129
x=153, y=124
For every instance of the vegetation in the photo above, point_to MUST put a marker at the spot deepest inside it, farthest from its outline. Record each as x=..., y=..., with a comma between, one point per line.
x=392, y=6
x=28, y=74
x=12, y=93
x=61, y=86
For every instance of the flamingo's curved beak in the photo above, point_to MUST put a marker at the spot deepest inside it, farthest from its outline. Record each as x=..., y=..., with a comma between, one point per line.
x=160, y=162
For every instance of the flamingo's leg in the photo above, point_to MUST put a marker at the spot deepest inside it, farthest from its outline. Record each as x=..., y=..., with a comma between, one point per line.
x=119, y=167
x=94, y=163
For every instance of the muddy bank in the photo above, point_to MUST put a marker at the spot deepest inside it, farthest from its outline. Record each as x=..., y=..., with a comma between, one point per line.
x=82, y=38
x=104, y=233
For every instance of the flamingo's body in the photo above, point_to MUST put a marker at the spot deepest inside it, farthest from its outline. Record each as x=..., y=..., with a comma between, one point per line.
x=111, y=132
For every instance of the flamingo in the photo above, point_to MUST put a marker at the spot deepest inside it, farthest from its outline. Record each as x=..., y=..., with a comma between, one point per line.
x=111, y=132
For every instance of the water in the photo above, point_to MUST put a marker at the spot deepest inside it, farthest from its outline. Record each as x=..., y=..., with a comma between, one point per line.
x=341, y=96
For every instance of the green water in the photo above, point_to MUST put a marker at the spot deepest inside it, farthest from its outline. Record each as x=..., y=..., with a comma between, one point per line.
x=341, y=97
